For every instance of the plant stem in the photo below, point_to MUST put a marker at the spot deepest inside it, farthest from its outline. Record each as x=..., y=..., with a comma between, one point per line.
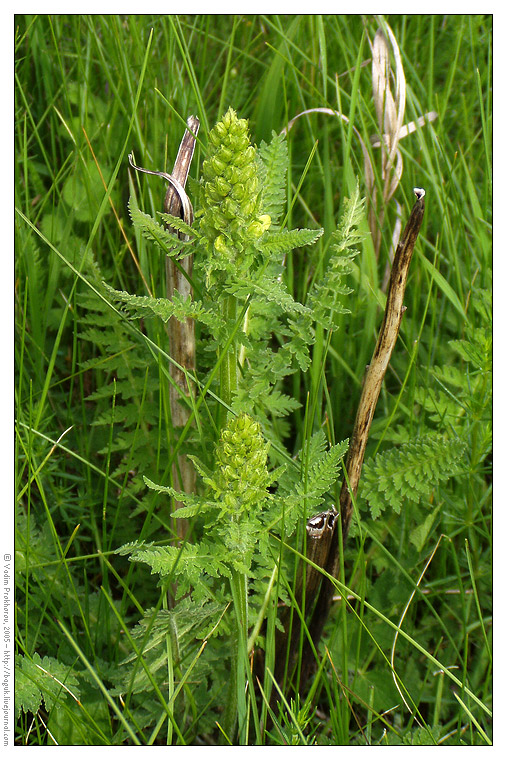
x=379, y=362
x=236, y=712
x=181, y=334
x=229, y=366
x=371, y=389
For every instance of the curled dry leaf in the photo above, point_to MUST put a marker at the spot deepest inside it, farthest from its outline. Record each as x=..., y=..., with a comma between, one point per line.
x=407, y=129
x=390, y=109
x=368, y=167
x=390, y=112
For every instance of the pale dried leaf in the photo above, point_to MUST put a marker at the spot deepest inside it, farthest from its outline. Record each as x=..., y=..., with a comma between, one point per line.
x=399, y=73
x=380, y=68
x=407, y=129
x=395, y=177
x=368, y=167
x=399, y=100
x=386, y=106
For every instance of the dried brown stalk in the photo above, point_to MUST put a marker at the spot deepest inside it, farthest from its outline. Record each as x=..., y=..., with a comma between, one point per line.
x=181, y=334
x=320, y=536
x=380, y=360
x=287, y=649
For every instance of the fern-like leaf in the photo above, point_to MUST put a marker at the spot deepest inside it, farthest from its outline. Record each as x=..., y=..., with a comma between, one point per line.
x=179, y=307
x=298, y=499
x=269, y=290
x=273, y=163
x=410, y=472
x=184, y=624
x=323, y=474
x=326, y=295
x=193, y=504
x=302, y=336
x=156, y=233
x=283, y=242
x=178, y=224
x=348, y=233
x=192, y=565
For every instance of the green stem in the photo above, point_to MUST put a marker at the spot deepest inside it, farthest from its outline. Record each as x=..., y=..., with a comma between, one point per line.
x=229, y=366
x=235, y=713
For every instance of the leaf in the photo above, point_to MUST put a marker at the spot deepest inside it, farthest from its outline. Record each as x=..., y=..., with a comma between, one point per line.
x=270, y=290
x=183, y=626
x=283, y=242
x=323, y=474
x=193, y=504
x=178, y=224
x=444, y=286
x=410, y=472
x=180, y=307
x=348, y=234
x=156, y=233
x=43, y=678
x=419, y=535
x=28, y=695
x=279, y=404
x=325, y=296
x=273, y=160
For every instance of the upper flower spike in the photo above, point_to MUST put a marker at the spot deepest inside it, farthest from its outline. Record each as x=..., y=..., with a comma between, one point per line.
x=230, y=191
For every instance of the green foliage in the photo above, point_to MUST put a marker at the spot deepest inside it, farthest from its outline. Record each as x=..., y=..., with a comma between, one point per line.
x=234, y=514
x=295, y=726
x=276, y=243
x=410, y=472
x=327, y=295
x=128, y=394
x=43, y=679
x=322, y=467
x=92, y=366
x=231, y=509
x=179, y=307
x=235, y=509
x=239, y=256
x=272, y=165
x=158, y=234
x=181, y=626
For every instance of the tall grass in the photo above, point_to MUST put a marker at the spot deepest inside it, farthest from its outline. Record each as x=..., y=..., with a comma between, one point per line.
x=88, y=90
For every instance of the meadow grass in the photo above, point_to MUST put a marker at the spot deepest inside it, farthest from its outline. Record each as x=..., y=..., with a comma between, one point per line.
x=407, y=656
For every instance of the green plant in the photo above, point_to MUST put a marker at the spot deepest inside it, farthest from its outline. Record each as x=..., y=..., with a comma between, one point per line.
x=93, y=413
x=240, y=254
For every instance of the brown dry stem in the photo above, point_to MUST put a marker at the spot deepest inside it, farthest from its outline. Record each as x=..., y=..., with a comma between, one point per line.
x=380, y=360
x=366, y=409
x=181, y=334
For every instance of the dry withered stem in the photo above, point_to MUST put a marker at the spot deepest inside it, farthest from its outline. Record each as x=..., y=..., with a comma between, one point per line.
x=379, y=362
x=320, y=537
x=181, y=334
x=287, y=649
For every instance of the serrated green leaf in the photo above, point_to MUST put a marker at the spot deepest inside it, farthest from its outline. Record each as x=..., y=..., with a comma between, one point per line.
x=273, y=160
x=157, y=233
x=43, y=678
x=270, y=290
x=410, y=471
x=178, y=224
x=419, y=535
x=283, y=242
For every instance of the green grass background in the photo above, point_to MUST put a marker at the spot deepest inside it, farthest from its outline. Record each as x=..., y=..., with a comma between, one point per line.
x=88, y=89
